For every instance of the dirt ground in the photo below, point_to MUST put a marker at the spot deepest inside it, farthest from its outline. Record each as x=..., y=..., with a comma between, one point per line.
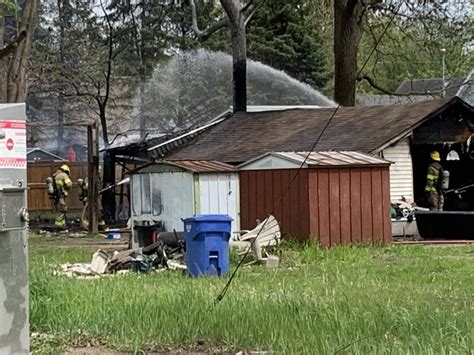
x=64, y=240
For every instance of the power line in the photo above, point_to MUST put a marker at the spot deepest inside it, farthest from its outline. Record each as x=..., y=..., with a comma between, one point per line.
x=224, y=290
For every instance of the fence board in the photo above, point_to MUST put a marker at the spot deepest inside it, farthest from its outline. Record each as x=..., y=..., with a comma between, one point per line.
x=38, y=199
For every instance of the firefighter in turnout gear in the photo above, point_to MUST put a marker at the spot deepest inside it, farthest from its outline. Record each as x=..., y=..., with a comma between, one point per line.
x=433, y=189
x=62, y=184
x=84, y=197
x=83, y=185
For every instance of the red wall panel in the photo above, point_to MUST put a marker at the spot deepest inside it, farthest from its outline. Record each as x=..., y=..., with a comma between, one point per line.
x=333, y=205
x=356, y=206
x=269, y=191
x=349, y=205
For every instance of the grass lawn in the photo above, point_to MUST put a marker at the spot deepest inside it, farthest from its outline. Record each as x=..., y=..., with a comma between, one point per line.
x=359, y=300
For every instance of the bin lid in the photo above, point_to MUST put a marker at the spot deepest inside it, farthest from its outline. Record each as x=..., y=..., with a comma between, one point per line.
x=208, y=218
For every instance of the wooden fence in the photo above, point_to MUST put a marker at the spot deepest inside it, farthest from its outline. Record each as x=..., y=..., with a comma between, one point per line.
x=38, y=199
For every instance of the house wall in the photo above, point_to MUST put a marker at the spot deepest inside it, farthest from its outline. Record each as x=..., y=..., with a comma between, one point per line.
x=218, y=193
x=262, y=192
x=401, y=171
x=349, y=205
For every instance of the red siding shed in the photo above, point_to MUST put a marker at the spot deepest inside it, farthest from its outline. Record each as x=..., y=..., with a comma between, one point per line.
x=335, y=198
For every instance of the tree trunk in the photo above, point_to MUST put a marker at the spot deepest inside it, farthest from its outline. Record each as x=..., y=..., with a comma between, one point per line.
x=103, y=125
x=17, y=71
x=347, y=36
x=239, y=53
x=64, y=11
x=239, y=69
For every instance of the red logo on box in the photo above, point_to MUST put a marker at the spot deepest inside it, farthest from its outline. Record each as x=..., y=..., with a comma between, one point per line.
x=10, y=144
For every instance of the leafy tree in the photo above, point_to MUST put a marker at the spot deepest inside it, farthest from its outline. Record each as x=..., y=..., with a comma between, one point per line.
x=286, y=35
x=350, y=18
x=413, y=48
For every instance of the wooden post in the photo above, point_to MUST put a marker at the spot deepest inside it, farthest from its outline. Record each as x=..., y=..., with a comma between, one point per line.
x=108, y=196
x=93, y=170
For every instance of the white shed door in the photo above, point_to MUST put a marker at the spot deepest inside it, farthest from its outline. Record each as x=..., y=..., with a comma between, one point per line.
x=219, y=194
x=401, y=171
x=176, y=198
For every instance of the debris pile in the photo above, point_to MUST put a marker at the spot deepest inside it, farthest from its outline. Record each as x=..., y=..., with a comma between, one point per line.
x=404, y=211
x=155, y=257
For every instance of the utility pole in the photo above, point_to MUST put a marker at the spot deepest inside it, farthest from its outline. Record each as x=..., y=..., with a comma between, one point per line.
x=93, y=173
x=443, y=71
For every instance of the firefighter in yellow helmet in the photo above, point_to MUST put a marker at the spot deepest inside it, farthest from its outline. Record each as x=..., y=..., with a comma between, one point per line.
x=62, y=184
x=433, y=188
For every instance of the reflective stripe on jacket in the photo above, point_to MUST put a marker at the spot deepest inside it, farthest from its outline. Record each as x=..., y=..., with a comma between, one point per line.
x=434, y=172
x=62, y=182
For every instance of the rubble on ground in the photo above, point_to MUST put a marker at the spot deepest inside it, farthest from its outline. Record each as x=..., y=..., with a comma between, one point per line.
x=156, y=257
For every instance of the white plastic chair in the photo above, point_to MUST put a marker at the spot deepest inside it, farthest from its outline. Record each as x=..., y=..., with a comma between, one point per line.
x=259, y=238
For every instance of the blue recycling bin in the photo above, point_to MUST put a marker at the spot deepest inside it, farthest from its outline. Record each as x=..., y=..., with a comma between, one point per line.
x=207, y=244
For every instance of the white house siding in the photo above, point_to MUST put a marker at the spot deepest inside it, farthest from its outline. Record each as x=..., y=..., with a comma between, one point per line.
x=401, y=170
x=219, y=194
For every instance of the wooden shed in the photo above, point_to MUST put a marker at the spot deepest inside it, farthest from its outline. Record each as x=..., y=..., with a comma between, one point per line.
x=336, y=197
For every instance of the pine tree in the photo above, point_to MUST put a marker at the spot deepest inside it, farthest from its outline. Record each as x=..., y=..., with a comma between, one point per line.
x=286, y=35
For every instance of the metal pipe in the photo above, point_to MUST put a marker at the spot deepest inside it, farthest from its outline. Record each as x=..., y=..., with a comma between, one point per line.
x=443, y=71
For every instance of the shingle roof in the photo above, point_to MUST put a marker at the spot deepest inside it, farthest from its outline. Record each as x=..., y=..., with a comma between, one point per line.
x=244, y=136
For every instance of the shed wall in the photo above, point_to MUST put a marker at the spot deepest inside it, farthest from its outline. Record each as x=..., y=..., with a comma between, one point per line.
x=218, y=193
x=261, y=191
x=401, y=171
x=349, y=205
x=176, y=198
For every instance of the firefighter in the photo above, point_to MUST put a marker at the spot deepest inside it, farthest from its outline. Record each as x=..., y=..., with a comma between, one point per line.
x=62, y=184
x=84, y=197
x=433, y=189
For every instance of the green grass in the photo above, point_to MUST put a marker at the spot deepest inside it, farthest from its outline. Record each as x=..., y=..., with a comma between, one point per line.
x=359, y=300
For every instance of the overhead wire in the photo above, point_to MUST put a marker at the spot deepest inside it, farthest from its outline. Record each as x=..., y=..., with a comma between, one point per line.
x=224, y=290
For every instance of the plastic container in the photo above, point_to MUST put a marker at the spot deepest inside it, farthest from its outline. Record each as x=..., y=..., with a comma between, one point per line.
x=207, y=244
x=113, y=235
x=100, y=262
x=272, y=262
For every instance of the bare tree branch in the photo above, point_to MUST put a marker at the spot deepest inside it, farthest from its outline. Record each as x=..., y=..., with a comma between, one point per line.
x=413, y=93
x=247, y=6
x=204, y=34
x=13, y=45
x=254, y=10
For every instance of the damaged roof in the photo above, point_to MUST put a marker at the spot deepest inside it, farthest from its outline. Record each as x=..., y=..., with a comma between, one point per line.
x=244, y=136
